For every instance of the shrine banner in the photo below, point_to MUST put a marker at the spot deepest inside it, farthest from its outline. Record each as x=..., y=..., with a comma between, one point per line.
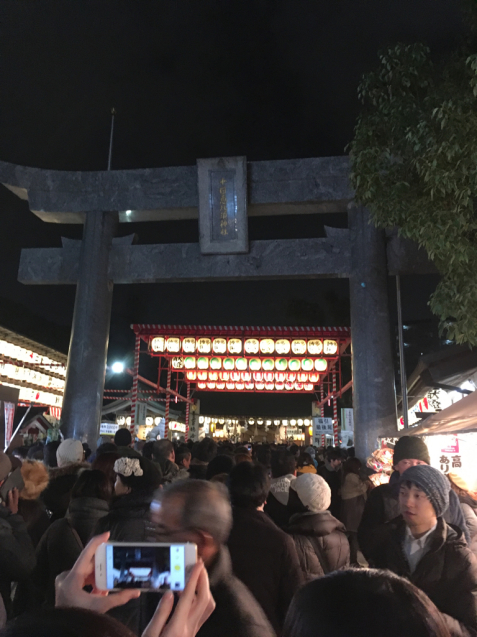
x=9, y=410
x=452, y=453
x=321, y=426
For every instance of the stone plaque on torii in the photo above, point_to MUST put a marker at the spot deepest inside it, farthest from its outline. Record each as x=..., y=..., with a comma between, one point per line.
x=101, y=200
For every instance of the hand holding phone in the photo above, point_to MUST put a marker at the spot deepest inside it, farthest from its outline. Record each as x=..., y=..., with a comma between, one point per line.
x=12, y=501
x=70, y=584
x=14, y=481
x=195, y=606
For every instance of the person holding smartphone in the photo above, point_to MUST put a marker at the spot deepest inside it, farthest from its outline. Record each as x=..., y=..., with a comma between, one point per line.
x=82, y=614
x=17, y=554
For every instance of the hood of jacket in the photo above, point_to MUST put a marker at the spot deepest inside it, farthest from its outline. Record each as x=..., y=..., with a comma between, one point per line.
x=280, y=487
x=87, y=508
x=35, y=478
x=316, y=524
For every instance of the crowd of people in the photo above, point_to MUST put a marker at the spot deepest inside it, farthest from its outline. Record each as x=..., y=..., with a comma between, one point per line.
x=291, y=541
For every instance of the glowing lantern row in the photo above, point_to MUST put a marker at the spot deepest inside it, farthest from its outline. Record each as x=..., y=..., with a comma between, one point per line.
x=191, y=345
x=229, y=386
x=257, y=377
x=253, y=364
x=16, y=352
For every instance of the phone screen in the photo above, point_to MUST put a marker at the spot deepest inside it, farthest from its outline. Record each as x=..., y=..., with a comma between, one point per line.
x=147, y=567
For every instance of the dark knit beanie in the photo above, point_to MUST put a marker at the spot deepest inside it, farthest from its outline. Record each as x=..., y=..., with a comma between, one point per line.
x=434, y=484
x=409, y=447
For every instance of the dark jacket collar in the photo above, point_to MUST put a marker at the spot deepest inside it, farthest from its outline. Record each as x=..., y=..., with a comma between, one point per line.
x=89, y=506
x=443, y=534
x=221, y=567
x=133, y=500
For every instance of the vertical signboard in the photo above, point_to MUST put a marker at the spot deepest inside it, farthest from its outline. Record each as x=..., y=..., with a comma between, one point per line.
x=222, y=184
x=141, y=412
x=321, y=427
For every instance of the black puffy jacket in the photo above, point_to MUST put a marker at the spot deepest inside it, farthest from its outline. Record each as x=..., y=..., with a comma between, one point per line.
x=321, y=543
x=17, y=554
x=63, y=542
x=128, y=518
x=447, y=573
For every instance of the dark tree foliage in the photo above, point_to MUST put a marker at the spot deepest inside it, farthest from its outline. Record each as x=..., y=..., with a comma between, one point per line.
x=414, y=165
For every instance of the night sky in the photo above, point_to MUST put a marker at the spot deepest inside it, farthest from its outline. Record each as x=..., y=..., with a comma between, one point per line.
x=269, y=79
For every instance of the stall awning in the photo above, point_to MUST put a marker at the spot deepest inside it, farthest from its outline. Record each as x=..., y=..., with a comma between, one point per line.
x=449, y=367
x=461, y=416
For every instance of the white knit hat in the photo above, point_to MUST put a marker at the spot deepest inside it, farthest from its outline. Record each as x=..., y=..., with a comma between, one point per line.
x=69, y=452
x=313, y=491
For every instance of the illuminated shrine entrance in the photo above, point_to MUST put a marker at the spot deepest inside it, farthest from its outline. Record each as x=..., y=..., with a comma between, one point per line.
x=264, y=360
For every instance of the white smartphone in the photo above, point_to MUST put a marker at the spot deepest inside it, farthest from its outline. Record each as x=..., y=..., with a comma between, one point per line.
x=145, y=565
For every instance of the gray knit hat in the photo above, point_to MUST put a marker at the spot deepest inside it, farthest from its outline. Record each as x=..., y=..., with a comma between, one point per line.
x=432, y=482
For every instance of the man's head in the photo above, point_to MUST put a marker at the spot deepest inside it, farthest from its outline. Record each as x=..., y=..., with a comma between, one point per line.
x=283, y=463
x=123, y=438
x=249, y=486
x=295, y=450
x=183, y=457
x=204, y=450
x=220, y=465
x=423, y=496
x=164, y=449
x=193, y=511
x=49, y=453
x=410, y=452
x=334, y=458
x=69, y=452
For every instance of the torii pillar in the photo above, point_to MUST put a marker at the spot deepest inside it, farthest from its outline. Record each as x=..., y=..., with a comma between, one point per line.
x=85, y=373
x=374, y=397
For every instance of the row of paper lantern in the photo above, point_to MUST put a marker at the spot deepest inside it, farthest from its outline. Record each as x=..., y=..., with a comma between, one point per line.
x=288, y=386
x=282, y=346
x=252, y=364
x=41, y=397
x=258, y=377
x=27, y=356
x=25, y=374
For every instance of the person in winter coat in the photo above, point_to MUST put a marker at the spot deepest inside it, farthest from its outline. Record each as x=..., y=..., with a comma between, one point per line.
x=57, y=495
x=319, y=537
x=353, y=498
x=382, y=504
x=136, y=481
x=17, y=554
x=331, y=472
x=422, y=547
x=263, y=556
x=468, y=505
x=199, y=511
x=30, y=507
x=62, y=543
x=305, y=464
x=283, y=466
x=202, y=453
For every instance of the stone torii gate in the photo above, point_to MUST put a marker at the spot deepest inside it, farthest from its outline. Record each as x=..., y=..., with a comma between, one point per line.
x=102, y=200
